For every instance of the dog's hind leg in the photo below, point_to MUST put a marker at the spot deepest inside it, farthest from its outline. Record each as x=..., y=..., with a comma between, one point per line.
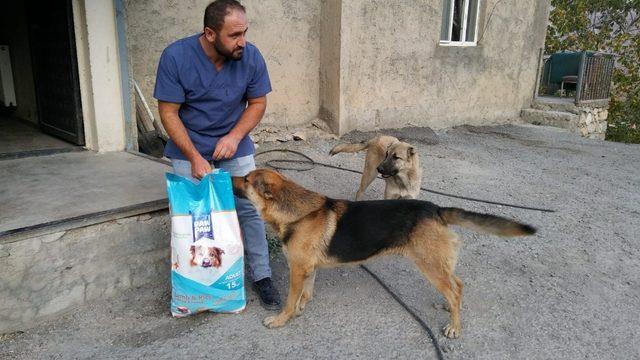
x=307, y=292
x=450, y=287
x=436, y=255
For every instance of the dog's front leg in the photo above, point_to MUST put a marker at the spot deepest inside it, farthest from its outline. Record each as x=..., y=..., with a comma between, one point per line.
x=297, y=276
x=307, y=292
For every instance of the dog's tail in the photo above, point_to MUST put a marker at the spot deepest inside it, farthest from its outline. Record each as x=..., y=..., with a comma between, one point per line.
x=485, y=223
x=350, y=148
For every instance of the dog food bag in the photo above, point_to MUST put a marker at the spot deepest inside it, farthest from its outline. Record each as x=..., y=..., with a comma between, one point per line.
x=207, y=256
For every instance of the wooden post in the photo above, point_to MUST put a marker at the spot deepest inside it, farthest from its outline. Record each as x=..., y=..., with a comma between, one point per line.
x=580, y=78
x=536, y=89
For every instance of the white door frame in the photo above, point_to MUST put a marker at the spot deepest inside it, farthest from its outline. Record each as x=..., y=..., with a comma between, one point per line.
x=100, y=75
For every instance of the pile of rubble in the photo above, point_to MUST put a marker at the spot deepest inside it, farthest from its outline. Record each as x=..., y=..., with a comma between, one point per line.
x=317, y=129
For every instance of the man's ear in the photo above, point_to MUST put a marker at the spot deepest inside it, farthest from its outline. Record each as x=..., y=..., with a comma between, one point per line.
x=209, y=34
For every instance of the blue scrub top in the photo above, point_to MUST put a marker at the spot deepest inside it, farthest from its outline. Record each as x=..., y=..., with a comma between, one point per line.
x=211, y=101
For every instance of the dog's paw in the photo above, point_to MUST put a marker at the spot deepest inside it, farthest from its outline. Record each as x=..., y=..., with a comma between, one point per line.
x=273, y=322
x=451, y=332
x=301, y=307
x=306, y=297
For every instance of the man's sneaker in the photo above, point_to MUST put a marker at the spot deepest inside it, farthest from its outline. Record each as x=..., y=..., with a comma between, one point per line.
x=268, y=294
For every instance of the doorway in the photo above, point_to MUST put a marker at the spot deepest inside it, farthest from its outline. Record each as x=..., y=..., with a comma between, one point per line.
x=47, y=113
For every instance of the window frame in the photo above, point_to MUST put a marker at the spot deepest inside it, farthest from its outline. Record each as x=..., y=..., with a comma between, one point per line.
x=463, y=30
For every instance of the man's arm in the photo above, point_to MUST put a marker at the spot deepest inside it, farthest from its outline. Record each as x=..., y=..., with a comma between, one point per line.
x=178, y=134
x=228, y=145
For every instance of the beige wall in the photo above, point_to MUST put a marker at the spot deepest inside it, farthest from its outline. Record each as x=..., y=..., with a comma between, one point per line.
x=286, y=32
x=366, y=64
x=394, y=72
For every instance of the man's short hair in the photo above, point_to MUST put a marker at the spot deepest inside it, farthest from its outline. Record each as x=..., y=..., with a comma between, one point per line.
x=215, y=13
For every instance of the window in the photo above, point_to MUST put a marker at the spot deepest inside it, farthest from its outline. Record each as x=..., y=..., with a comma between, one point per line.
x=459, y=23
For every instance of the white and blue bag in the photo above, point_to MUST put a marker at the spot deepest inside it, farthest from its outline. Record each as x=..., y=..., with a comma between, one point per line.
x=207, y=256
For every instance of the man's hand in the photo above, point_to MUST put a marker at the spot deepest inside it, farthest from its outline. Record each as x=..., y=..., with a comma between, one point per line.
x=199, y=167
x=226, y=147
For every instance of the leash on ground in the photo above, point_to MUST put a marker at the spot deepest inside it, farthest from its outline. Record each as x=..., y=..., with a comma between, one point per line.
x=311, y=164
x=408, y=309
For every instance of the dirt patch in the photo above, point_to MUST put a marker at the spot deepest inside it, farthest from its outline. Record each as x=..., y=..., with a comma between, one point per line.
x=413, y=135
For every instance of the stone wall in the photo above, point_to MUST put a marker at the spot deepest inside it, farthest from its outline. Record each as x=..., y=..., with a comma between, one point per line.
x=48, y=275
x=588, y=121
x=593, y=122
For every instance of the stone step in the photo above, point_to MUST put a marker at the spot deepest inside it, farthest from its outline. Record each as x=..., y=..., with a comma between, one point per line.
x=561, y=119
x=562, y=106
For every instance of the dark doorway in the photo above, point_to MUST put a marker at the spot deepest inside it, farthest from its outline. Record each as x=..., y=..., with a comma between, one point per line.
x=55, y=69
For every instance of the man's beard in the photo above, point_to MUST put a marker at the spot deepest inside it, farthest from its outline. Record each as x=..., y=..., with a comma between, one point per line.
x=228, y=54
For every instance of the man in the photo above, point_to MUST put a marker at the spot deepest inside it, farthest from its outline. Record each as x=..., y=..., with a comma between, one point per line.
x=211, y=90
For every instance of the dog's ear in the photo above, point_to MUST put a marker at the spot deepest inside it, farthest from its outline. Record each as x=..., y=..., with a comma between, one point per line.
x=267, y=194
x=193, y=262
x=410, y=151
x=265, y=189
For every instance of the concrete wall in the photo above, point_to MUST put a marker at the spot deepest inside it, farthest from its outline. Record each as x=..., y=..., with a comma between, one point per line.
x=45, y=276
x=286, y=32
x=394, y=72
x=14, y=32
x=363, y=64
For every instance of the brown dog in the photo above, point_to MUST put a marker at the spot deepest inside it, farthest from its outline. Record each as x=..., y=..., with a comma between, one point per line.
x=396, y=161
x=317, y=231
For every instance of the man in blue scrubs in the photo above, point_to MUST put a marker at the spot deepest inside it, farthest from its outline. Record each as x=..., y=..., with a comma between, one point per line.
x=211, y=90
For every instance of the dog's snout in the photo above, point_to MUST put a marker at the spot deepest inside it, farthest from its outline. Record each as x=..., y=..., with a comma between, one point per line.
x=384, y=170
x=238, y=183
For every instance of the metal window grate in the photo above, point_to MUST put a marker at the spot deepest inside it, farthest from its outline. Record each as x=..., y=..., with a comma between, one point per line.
x=594, y=79
x=593, y=71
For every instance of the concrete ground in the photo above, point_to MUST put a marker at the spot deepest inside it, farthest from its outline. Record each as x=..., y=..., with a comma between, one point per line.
x=16, y=135
x=571, y=291
x=69, y=185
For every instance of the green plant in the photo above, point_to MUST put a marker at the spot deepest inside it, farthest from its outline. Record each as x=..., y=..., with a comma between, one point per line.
x=611, y=26
x=274, y=243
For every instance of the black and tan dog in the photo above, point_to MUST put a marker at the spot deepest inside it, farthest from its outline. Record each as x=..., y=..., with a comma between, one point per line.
x=318, y=231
